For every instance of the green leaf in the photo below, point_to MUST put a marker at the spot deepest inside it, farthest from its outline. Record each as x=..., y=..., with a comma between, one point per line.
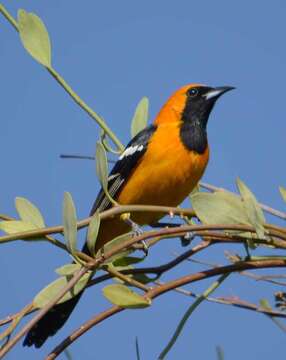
x=15, y=226
x=52, y=290
x=144, y=279
x=68, y=269
x=114, y=243
x=283, y=192
x=29, y=213
x=140, y=116
x=252, y=208
x=70, y=222
x=92, y=233
x=195, y=190
x=127, y=260
x=101, y=165
x=102, y=169
x=122, y=296
x=35, y=37
x=219, y=208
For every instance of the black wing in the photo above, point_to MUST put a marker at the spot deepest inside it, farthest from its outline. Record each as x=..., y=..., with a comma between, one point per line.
x=123, y=168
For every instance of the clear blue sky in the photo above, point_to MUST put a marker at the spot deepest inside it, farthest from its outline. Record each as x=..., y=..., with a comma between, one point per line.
x=113, y=53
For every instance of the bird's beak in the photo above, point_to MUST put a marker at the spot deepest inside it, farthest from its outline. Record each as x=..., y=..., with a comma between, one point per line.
x=216, y=92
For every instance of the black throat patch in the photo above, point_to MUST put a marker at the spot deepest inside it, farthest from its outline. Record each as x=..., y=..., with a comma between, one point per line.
x=194, y=137
x=195, y=116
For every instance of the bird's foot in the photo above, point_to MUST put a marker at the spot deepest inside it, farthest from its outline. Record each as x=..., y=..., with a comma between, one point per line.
x=187, y=238
x=136, y=230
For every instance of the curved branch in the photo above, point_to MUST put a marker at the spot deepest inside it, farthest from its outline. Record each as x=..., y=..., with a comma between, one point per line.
x=116, y=210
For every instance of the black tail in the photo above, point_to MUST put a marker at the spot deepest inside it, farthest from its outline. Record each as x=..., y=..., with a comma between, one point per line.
x=51, y=322
x=59, y=314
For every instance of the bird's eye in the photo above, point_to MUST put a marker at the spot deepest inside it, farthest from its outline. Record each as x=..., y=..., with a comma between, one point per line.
x=193, y=92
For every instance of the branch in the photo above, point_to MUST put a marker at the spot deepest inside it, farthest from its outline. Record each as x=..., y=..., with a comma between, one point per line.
x=117, y=210
x=265, y=278
x=162, y=289
x=233, y=301
x=128, y=280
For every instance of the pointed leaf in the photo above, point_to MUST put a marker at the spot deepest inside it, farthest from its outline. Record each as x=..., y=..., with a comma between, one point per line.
x=50, y=291
x=35, y=37
x=144, y=279
x=15, y=226
x=68, y=269
x=92, y=233
x=102, y=170
x=219, y=208
x=101, y=165
x=127, y=260
x=122, y=296
x=114, y=243
x=70, y=222
x=28, y=212
x=140, y=117
x=252, y=208
x=283, y=192
x=195, y=190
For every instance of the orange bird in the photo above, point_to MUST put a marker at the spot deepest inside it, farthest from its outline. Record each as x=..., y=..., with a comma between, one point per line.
x=160, y=166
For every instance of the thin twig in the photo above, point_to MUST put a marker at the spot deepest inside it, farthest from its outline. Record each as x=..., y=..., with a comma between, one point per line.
x=117, y=210
x=9, y=17
x=118, y=274
x=232, y=301
x=264, y=278
x=27, y=309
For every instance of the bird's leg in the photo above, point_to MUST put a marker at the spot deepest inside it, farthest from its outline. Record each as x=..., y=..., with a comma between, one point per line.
x=136, y=229
x=187, y=238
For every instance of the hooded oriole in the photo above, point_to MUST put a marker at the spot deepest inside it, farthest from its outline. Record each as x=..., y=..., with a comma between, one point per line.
x=160, y=166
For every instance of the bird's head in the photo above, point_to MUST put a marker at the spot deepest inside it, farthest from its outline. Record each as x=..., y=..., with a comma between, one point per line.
x=191, y=103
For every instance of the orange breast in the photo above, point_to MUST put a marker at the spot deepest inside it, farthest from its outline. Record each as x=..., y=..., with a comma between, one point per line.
x=166, y=174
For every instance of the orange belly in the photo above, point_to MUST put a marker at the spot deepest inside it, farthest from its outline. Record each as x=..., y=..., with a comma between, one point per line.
x=165, y=176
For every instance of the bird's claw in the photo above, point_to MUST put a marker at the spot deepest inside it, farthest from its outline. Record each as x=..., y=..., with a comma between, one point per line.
x=137, y=231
